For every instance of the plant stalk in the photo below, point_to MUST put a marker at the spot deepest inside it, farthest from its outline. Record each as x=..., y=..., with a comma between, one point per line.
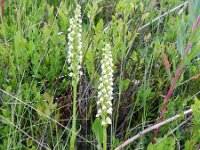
x=104, y=138
x=73, y=136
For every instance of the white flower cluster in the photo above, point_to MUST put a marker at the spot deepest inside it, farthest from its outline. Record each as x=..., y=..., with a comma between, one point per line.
x=75, y=45
x=105, y=94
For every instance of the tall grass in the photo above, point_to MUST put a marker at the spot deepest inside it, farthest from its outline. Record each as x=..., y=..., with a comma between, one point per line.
x=40, y=108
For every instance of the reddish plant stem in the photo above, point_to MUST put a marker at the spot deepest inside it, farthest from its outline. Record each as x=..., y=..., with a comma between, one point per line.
x=196, y=24
x=174, y=81
x=154, y=2
x=172, y=86
x=166, y=61
x=2, y=7
x=170, y=91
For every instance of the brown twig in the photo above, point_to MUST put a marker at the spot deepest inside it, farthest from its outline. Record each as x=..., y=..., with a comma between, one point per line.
x=147, y=130
x=192, y=78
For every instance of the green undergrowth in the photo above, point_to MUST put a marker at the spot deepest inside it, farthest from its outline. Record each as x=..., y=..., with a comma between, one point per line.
x=36, y=91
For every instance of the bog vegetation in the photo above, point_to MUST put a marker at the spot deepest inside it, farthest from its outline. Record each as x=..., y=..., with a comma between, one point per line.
x=98, y=74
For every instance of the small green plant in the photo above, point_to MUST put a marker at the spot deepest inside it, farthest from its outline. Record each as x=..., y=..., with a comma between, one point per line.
x=167, y=143
x=148, y=39
x=195, y=133
x=104, y=104
x=75, y=60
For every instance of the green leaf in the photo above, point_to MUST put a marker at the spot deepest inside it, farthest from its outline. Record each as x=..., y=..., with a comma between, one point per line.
x=180, y=35
x=195, y=51
x=46, y=33
x=196, y=35
x=195, y=132
x=119, y=6
x=144, y=16
x=98, y=130
x=99, y=26
x=196, y=112
x=89, y=62
x=124, y=84
x=168, y=143
x=6, y=112
x=194, y=10
x=134, y=57
x=47, y=97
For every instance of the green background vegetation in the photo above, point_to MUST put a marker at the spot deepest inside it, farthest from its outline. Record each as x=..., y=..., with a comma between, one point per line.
x=36, y=92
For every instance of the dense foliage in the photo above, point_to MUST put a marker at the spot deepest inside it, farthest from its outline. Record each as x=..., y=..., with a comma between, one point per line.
x=36, y=91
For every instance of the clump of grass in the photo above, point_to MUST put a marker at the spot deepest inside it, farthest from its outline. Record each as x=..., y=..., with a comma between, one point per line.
x=37, y=93
x=175, y=79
